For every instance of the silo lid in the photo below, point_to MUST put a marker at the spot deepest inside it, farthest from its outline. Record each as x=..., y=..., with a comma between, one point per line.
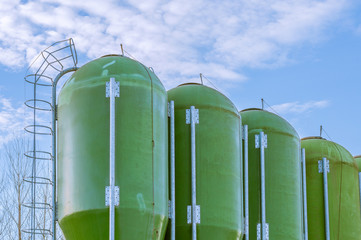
x=252, y=109
x=313, y=137
x=112, y=55
x=190, y=83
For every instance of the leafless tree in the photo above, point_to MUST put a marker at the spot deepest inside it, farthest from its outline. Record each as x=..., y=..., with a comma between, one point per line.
x=4, y=218
x=15, y=191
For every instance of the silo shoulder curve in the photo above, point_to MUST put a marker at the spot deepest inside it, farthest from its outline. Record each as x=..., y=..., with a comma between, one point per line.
x=204, y=96
x=109, y=66
x=318, y=147
x=255, y=117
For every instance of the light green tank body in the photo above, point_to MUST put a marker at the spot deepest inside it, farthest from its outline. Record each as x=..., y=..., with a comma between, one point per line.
x=282, y=176
x=218, y=164
x=140, y=157
x=343, y=194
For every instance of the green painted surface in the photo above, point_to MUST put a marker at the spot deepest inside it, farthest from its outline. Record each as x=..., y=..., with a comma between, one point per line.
x=344, y=208
x=282, y=176
x=141, y=152
x=358, y=162
x=218, y=164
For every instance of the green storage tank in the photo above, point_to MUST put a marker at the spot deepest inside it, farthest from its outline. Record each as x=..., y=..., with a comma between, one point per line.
x=218, y=164
x=343, y=194
x=283, y=194
x=141, y=152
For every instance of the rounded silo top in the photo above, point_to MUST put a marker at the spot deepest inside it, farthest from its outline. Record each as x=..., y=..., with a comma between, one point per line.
x=195, y=94
x=113, y=65
x=318, y=147
x=258, y=118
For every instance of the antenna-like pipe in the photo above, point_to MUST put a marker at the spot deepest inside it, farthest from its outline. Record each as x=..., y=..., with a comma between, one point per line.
x=246, y=192
x=193, y=165
x=54, y=109
x=172, y=168
x=303, y=157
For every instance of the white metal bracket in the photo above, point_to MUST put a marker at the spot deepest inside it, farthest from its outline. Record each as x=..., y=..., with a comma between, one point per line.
x=195, y=116
x=245, y=225
x=244, y=132
x=257, y=141
x=265, y=231
x=116, y=90
x=170, y=210
x=320, y=166
x=116, y=196
x=258, y=231
x=169, y=110
x=189, y=214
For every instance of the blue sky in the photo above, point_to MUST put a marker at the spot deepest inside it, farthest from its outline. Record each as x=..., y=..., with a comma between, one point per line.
x=302, y=56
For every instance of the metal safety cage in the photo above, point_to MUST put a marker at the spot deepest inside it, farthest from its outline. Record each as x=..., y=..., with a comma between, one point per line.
x=42, y=77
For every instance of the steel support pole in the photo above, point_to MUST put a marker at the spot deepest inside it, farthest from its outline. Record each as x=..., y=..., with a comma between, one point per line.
x=303, y=159
x=172, y=167
x=325, y=192
x=54, y=114
x=112, y=159
x=263, y=186
x=246, y=191
x=359, y=184
x=193, y=166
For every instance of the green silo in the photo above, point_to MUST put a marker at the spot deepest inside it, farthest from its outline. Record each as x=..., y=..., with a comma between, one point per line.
x=218, y=164
x=141, y=152
x=282, y=176
x=343, y=195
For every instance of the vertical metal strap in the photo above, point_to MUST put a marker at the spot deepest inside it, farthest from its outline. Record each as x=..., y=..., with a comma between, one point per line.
x=263, y=186
x=323, y=167
x=112, y=92
x=359, y=184
x=192, y=118
x=261, y=142
x=172, y=167
x=54, y=113
x=303, y=159
x=193, y=159
x=246, y=191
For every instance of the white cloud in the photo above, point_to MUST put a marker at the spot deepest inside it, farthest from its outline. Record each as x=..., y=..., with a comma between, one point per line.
x=14, y=116
x=12, y=120
x=297, y=107
x=176, y=37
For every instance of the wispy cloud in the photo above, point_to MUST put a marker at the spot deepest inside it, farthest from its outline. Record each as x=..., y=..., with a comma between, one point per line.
x=13, y=118
x=178, y=38
x=297, y=107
